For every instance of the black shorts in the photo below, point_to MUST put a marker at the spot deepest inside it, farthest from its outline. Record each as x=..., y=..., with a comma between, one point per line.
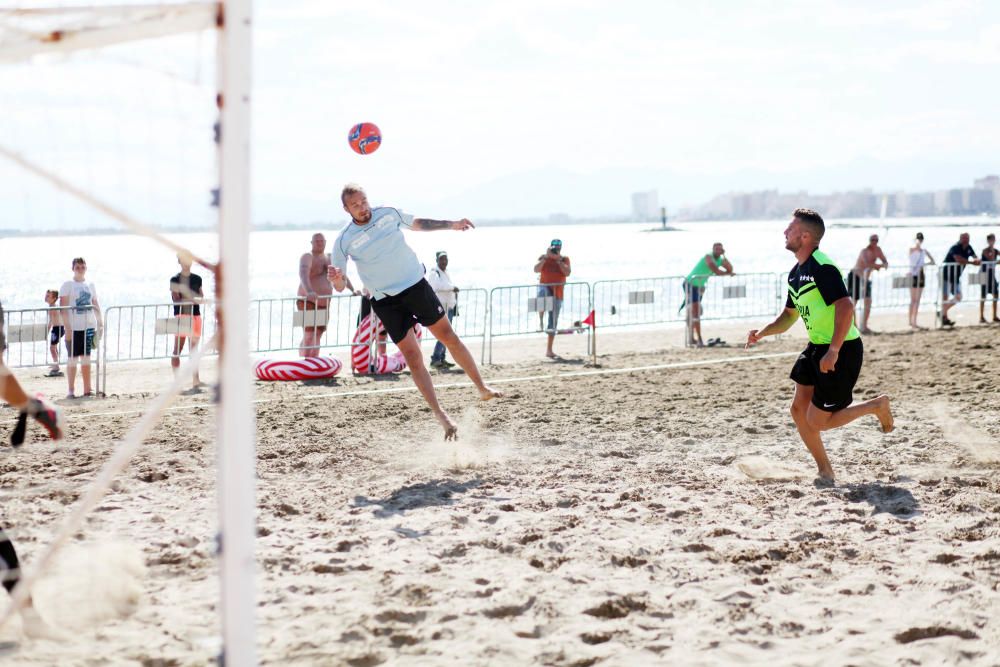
x=855, y=284
x=991, y=285
x=81, y=344
x=417, y=303
x=833, y=390
x=918, y=280
x=55, y=334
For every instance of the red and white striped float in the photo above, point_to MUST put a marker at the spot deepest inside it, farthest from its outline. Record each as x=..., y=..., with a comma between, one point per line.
x=308, y=368
x=361, y=356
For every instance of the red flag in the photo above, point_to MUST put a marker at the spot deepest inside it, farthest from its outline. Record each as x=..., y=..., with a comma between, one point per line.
x=590, y=320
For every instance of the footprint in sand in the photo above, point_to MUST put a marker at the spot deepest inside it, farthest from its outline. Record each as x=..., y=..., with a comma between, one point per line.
x=760, y=468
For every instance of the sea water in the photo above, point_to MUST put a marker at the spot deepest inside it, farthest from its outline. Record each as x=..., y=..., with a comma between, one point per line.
x=129, y=270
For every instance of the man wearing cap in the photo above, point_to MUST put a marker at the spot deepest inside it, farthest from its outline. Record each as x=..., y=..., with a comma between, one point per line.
x=447, y=293
x=553, y=268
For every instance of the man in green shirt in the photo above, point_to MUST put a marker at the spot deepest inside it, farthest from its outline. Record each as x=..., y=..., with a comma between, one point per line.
x=714, y=263
x=827, y=370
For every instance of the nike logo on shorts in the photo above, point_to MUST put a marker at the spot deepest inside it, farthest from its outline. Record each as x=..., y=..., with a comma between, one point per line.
x=829, y=405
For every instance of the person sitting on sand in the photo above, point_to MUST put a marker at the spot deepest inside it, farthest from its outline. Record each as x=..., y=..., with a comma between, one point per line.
x=827, y=370
x=389, y=268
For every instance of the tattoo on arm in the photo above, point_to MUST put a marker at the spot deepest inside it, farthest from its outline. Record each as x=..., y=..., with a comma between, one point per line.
x=428, y=225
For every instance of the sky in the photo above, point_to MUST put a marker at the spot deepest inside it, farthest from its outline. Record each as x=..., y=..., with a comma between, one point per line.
x=525, y=108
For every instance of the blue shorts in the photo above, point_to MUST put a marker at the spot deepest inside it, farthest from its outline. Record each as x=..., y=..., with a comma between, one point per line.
x=693, y=292
x=544, y=291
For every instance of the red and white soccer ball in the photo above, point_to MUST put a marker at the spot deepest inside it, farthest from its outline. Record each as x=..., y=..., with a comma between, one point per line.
x=365, y=138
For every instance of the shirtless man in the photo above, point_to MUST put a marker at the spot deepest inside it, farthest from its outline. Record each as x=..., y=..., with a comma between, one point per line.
x=316, y=288
x=401, y=297
x=859, y=283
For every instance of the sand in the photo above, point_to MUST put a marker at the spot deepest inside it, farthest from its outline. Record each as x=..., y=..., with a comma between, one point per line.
x=593, y=516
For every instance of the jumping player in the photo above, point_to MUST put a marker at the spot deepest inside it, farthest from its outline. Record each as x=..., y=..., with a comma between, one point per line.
x=401, y=296
x=827, y=370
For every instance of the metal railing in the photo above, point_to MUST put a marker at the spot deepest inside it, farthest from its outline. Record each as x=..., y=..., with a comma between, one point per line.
x=148, y=331
x=521, y=310
x=979, y=285
x=28, y=334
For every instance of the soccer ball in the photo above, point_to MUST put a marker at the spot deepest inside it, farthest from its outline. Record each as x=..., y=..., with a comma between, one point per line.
x=365, y=138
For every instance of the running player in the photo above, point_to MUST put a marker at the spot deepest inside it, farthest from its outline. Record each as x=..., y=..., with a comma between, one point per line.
x=826, y=371
x=401, y=296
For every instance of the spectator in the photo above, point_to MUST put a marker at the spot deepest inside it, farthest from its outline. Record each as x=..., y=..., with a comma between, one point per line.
x=56, y=330
x=955, y=260
x=713, y=263
x=447, y=293
x=859, y=280
x=83, y=324
x=553, y=268
x=186, y=293
x=918, y=258
x=989, y=267
x=315, y=286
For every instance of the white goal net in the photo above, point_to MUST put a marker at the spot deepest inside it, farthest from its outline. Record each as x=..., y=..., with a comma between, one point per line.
x=125, y=140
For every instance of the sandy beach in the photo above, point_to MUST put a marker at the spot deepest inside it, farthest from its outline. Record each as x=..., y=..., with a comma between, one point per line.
x=656, y=509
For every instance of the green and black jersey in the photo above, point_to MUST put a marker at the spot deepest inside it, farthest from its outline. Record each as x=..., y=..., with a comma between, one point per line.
x=813, y=287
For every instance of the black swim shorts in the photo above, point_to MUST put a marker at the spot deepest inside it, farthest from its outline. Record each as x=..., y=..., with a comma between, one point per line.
x=833, y=390
x=417, y=303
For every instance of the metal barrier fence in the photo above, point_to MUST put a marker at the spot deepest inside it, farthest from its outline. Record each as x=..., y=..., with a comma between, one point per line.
x=28, y=332
x=28, y=336
x=526, y=309
x=147, y=331
x=277, y=325
x=643, y=301
x=980, y=286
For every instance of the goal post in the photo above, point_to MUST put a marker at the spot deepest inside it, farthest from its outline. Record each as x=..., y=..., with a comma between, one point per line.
x=30, y=33
x=236, y=449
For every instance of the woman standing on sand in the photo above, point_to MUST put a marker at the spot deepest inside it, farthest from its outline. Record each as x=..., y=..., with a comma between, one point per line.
x=918, y=258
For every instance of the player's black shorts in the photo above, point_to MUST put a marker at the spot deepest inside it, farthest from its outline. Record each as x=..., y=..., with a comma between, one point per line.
x=417, y=303
x=833, y=390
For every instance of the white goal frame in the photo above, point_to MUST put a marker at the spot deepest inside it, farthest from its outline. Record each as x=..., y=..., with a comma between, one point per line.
x=108, y=25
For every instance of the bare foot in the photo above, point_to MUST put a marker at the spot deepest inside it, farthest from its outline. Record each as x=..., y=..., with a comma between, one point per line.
x=884, y=414
x=550, y=355
x=488, y=393
x=824, y=481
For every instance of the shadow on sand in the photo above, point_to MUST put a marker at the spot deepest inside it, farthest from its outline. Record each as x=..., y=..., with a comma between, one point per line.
x=435, y=493
x=883, y=498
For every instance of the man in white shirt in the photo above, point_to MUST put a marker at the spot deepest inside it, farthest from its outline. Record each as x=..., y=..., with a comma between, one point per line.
x=447, y=293
x=390, y=270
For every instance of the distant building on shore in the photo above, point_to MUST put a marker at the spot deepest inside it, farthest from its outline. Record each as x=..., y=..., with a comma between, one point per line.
x=646, y=206
x=984, y=198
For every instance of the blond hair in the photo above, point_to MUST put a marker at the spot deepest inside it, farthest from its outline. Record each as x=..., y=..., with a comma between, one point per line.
x=350, y=189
